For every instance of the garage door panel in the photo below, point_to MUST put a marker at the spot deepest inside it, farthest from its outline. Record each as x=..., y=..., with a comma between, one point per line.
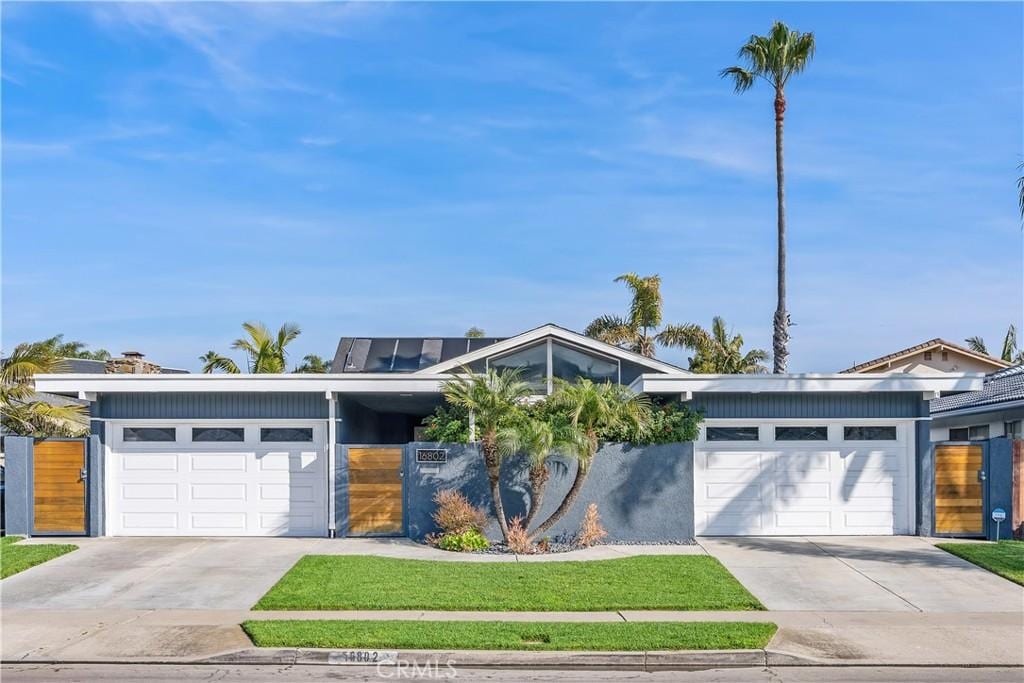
x=822, y=488
x=237, y=489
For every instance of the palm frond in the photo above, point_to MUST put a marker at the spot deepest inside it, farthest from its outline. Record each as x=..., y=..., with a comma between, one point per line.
x=611, y=329
x=646, y=304
x=213, y=362
x=977, y=344
x=686, y=336
x=742, y=79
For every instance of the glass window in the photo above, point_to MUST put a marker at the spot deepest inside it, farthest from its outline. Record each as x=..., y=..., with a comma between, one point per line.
x=731, y=434
x=958, y=434
x=977, y=432
x=570, y=365
x=801, y=433
x=149, y=434
x=868, y=433
x=218, y=434
x=286, y=434
x=1013, y=430
x=532, y=363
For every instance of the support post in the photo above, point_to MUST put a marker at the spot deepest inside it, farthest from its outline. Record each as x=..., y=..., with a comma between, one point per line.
x=332, y=438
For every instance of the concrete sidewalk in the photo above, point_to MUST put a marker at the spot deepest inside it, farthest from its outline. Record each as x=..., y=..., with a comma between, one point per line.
x=863, y=638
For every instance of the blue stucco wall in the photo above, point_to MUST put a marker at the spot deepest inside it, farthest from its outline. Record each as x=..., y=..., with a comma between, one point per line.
x=999, y=467
x=18, y=485
x=642, y=493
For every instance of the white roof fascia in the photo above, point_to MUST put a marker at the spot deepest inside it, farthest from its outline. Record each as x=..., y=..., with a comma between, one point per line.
x=840, y=382
x=542, y=332
x=354, y=383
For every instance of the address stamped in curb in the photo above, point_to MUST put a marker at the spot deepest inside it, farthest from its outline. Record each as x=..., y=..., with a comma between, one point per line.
x=363, y=657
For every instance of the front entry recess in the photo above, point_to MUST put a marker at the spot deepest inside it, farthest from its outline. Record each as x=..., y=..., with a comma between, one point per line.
x=375, y=491
x=58, y=474
x=959, y=492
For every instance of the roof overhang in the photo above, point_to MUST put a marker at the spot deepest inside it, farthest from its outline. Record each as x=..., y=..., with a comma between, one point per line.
x=554, y=332
x=824, y=383
x=75, y=384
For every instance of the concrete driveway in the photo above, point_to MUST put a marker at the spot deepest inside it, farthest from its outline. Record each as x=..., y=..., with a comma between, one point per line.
x=862, y=573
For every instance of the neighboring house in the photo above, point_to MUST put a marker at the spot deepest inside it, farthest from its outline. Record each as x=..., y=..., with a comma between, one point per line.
x=997, y=409
x=936, y=355
x=270, y=455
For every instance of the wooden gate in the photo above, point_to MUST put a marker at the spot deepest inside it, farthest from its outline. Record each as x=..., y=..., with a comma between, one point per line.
x=58, y=482
x=375, y=491
x=959, y=490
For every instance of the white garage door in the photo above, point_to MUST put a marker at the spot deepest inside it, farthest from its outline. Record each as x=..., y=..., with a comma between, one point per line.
x=189, y=479
x=796, y=479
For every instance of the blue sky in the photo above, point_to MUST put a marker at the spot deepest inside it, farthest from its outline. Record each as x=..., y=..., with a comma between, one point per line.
x=413, y=169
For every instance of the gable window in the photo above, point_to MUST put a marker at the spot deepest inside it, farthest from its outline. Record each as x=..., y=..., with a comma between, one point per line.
x=869, y=433
x=149, y=434
x=801, y=433
x=277, y=434
x=570, y=364
x=532, y=363
x=541, y=363
x=204, y=434
x=927, y=355
x=731, y=434
x=945, y=355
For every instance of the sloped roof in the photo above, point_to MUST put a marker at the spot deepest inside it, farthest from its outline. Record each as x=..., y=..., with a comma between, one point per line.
x=937, y=343
x=401, y=354
x=1000, y=387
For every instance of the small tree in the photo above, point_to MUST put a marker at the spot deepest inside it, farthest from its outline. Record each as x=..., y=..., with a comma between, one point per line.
x=493, y=402
x=716, y=351
x=312, y=364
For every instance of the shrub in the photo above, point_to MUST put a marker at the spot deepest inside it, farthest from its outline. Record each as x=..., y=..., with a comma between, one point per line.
x=448, y=424
x=456, y=515
x=467, y=541
x=591, y=531
x=518, y=539
x=668, y=423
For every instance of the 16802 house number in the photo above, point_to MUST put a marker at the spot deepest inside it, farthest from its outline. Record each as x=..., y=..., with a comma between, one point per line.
x=431, y=455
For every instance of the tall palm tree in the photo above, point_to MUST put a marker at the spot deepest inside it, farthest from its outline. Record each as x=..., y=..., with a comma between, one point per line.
x=265, y=352
x=775, y=58
x=591, y=409
x=717, y=351
x=73, y=349
x=493, y=401
x=25, y=412
x=635, y=331
x=1010, y=354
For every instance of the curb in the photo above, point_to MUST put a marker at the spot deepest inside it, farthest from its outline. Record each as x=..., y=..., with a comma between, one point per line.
x=507, y=659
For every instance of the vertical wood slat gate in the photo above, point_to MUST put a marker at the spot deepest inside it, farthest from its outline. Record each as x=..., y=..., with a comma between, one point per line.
x=959, y=490
x=375, y=491
x=58, y=483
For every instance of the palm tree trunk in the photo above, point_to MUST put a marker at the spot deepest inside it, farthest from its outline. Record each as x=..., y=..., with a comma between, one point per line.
x=566, y=504
x=780, y=332
x=538, y=480
x=494, y=478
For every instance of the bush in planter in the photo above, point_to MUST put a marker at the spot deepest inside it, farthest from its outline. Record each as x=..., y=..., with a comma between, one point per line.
x=455, y=514
x=467, y=541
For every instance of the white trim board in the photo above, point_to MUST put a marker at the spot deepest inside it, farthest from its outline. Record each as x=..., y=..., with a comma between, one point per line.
x=823, y=383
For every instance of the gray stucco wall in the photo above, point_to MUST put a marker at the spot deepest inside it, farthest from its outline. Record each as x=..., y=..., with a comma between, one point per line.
x=94, y=482
x=999, y=467
x=925, y=477
x=18, y=485
x=642, y=493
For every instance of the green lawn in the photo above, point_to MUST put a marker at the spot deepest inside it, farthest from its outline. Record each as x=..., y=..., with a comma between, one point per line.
x=679, y=582
x=1005, y=558
x=509, y=635
x=16, y=557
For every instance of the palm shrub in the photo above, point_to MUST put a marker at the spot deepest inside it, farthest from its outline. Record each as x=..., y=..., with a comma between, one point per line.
x=25, y=412
x=493, y=402
x=716, y=351
x=636, y=331
x=265, y=352
x=584, y=410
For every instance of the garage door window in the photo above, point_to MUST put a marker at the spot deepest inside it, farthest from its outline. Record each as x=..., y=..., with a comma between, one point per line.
x=801, y=433
x=731, y=434
x=218, y=434
x=149, y=434
x=869, y=433
x=291, y=434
